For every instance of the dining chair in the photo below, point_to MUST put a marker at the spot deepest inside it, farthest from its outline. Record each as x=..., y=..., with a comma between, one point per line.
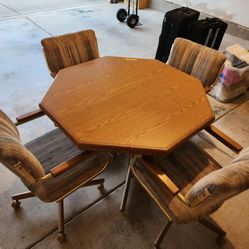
x=189, y=185
x=205, y=64
x=50, y=166
x=69, y=49
x=63, y=51
x=197, y=60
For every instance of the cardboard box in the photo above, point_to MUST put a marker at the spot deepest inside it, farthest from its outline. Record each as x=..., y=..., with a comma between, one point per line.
x=238, y=51
x=142, y=4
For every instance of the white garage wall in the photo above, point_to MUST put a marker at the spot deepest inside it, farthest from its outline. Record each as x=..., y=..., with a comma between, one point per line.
x=236, y=11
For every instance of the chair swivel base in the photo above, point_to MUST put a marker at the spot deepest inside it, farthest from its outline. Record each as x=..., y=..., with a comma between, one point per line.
x=220, y=240
x=61, y=237
x=221, y=233
x=99, y=182
x=16, y=198
x=15, y=204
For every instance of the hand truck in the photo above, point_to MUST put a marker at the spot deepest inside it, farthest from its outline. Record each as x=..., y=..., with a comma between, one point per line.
x=131, y=15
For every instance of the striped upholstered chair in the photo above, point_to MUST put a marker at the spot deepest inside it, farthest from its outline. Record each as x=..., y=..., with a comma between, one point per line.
x=51, y=167
x=197, y=60
x=188, y=185
x=69, y=50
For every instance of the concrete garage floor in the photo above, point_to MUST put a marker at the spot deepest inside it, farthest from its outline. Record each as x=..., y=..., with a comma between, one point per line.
x=94, y=221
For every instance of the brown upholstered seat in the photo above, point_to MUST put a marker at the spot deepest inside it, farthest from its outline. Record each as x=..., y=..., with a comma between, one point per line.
x=184, y=170
x=55, y=169
x=197, y=60
x=200, y=185
x=58, y=150
x=69, y=49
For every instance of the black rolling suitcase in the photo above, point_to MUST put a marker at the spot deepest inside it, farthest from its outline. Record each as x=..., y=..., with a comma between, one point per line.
x=175, y=24
x=208, y=32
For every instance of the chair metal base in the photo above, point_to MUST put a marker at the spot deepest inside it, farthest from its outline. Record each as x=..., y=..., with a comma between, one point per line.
x=99, y=182
x=132, y=160
x=126, y=189
x=61, y=235
x=61, y=229
x=163, y=233
x=211, y=226
x=221, y=233
x=16, y=203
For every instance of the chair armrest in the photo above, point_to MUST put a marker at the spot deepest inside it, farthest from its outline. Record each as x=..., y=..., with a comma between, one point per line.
x=29, y=116
x=222, y=137
x=62, y=167
x=159, y=174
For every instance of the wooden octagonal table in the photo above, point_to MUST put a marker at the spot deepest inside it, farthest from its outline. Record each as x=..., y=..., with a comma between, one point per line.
x=130, y=105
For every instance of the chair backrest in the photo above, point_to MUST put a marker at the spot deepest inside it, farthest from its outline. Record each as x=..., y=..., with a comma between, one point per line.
x=223, y=183
x=70, y=49
x=197, y=60
x=15, y=156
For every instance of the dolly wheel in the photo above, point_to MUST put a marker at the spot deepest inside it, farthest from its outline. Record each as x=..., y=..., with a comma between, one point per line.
x=121, y=15
x=132, y=20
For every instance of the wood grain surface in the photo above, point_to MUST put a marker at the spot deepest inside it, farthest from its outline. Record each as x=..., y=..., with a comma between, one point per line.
x=221, y=136
x=127, y=104
x=235, y=124
x=29, y=116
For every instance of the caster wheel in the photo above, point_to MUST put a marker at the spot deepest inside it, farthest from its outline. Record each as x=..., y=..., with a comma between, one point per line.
x=61, y=237
x=16, y=204
x=121, y=15
x=132, y=20
x=101, y=187
x=220, y=241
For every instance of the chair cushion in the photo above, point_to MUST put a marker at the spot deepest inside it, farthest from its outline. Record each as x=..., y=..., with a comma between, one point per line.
x=197, y=60
x=70, y=49
x=7, y=126
x=55, y=188
x=54, y=148
x=230, y=180
x=13, y=153
x=185, y=166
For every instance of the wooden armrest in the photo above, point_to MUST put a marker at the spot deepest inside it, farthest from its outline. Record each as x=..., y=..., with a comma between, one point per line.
x=158, y=173
x=59, y=169
x=29, y=116
x=222, y=137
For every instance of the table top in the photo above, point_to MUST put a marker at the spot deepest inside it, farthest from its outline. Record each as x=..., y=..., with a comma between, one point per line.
x=127, y=105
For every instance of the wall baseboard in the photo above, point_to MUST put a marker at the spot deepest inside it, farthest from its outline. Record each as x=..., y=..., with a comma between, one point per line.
x=232, y=29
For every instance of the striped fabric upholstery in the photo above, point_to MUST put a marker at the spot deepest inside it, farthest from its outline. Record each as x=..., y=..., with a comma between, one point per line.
x=227, y=181
x=57, y=187
x=13, y=153
x=192, y=170
x=54, y=148
x=70, y=49
x=197, y=60
x=41, y=155
x=7, y=127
